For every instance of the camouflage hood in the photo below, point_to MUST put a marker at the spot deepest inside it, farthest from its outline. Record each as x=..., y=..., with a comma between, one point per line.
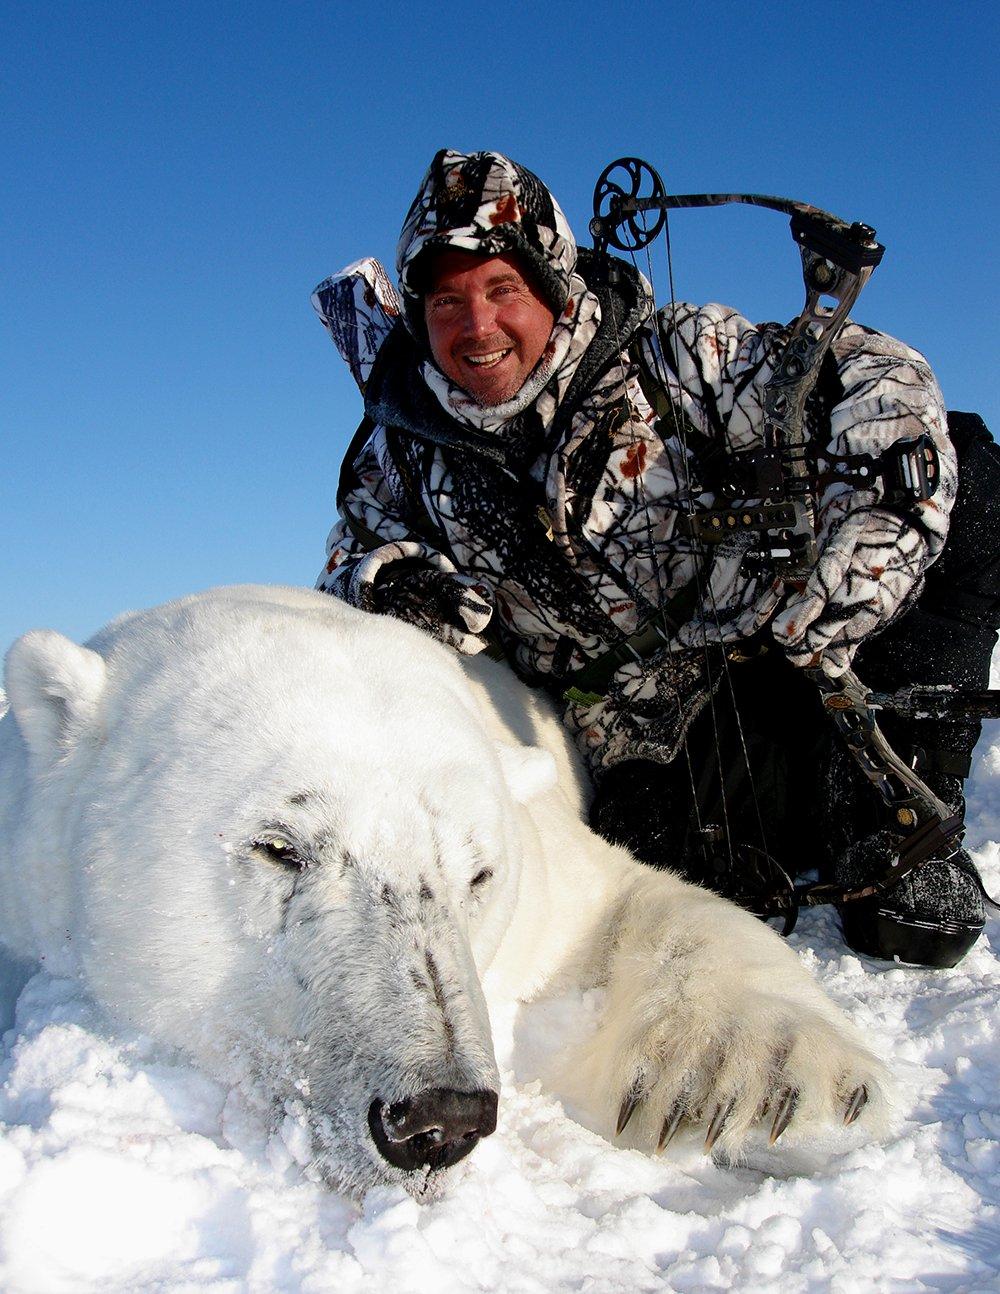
x=486, y=204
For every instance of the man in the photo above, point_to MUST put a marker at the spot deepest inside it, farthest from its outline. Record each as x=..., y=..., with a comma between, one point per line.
x=512, y=480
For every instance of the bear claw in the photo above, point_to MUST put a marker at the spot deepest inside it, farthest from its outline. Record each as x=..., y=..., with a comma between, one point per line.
x=670, y=1124
x=632, y=1098
x=857, y=1102
x=787, y=1103
x=722, y=1112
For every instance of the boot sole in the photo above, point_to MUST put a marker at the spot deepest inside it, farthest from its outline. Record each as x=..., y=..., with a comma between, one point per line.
x=880, y=932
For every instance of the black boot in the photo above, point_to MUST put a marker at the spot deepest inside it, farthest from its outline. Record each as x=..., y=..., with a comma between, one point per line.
x=932, y=917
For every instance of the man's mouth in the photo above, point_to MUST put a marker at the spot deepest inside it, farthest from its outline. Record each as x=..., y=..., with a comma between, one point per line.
x=489, y=359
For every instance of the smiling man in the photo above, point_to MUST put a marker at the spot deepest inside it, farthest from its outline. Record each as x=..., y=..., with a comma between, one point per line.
x=534, y=435
x=487, y=324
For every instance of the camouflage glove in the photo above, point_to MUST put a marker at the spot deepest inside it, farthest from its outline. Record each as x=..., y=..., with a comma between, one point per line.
x=412, y=581
x=451, y=607
x=871, y=566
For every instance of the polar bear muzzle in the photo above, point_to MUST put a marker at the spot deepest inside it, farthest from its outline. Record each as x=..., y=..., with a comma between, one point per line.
x=434, y=1129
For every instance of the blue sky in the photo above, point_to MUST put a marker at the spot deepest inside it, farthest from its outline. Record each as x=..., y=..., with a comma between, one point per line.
x=177, y=178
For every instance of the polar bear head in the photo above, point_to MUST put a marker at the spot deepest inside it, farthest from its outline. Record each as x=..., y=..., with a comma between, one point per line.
x=265, y=825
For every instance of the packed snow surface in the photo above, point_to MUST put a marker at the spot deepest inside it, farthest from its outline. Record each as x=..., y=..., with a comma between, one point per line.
x=124, y=1168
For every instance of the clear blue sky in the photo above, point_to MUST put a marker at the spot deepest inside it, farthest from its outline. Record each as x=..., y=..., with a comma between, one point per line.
x=177, y=177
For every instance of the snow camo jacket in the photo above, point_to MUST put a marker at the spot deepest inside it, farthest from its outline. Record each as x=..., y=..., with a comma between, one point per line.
x=558, y=523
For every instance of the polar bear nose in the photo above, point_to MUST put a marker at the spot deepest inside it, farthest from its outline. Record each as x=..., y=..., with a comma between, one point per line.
x=437, y=1127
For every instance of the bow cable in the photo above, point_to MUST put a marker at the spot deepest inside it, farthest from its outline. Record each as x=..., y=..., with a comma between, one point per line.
x=680, y=433
x=705, y=831
x=642, y=237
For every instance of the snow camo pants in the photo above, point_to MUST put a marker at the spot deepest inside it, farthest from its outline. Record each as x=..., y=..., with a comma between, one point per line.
x=792, y=802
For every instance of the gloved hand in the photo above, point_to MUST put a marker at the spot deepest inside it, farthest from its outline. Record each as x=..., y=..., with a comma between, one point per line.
x=870, y=565
x=410, y=580
x=451, y=607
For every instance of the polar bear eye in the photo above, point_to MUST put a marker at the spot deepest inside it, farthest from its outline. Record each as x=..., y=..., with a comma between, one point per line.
x=481, y=878
x=276, y=849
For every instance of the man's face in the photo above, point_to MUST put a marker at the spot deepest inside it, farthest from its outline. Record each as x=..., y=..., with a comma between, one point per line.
x=486, y=323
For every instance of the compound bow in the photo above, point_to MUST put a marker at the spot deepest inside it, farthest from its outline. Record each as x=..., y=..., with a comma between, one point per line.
x=837, y=261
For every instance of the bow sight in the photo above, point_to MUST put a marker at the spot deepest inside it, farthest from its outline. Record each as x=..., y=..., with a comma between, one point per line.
x=773, y=492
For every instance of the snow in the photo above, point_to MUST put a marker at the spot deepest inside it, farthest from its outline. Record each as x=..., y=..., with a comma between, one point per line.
x=124, y=1168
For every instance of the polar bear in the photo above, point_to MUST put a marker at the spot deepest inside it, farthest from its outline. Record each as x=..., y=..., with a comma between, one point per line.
x=261, y=823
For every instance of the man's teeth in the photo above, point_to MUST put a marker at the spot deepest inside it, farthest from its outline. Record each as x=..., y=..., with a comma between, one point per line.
x=483, y=361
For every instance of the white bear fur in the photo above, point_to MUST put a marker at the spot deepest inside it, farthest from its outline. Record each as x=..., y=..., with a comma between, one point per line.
x=140, y=774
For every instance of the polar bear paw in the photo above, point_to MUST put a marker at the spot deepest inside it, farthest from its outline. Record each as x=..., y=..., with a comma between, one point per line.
x=769, y=1063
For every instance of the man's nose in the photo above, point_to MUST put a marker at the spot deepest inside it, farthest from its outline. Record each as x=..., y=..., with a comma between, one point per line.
x=480, y=317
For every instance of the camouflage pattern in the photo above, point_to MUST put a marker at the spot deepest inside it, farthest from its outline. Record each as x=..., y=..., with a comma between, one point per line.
x=567, y=507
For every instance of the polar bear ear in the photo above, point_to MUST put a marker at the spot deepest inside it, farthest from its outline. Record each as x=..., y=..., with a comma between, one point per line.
x=527, y=770
x=54, y=688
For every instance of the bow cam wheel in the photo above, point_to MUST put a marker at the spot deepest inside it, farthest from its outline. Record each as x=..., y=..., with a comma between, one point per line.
x=616, y=220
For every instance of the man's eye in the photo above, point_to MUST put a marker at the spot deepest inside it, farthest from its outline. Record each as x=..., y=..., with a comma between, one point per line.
x=276, y=849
